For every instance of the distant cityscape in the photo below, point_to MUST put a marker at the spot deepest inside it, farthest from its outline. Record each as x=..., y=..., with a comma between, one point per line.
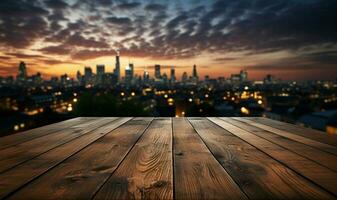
x=30, y=101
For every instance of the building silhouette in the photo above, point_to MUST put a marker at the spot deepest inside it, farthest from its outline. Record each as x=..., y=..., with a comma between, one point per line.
x=157, y=73
x=172, y=75
x=117, y=70
x=22, y=75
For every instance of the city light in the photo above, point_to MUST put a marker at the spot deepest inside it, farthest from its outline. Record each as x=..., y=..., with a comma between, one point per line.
x=191, y=92
x=16, y=127
x=244, y=111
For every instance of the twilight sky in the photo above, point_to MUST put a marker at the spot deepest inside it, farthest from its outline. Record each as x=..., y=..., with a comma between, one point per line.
x=292, y=39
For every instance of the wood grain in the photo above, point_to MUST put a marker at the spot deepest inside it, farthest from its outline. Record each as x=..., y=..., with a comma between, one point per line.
x=317, y=135
x=313, y=143
x=316, y=173
x=321, y=157
x=257, y=174
x=22, y=152
x=146, y=172
x=197, y=174
x=15, y=178
x=12, y=140
x=80, y=176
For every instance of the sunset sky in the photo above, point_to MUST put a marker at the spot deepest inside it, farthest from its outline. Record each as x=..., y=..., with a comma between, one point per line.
x=292, y=39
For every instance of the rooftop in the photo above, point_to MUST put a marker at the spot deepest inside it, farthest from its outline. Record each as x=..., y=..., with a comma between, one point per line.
x=169, y=158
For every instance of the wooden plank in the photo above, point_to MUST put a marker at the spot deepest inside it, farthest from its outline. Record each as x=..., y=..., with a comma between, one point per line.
x=321, y=157
x=146, y=172
x=197, y=174
x=17, y=177
x=15, y=155
x=318, y=174
x=14, y=139
x=257, y=174
x=299, y=130
x=81, y=175
x=319, y=145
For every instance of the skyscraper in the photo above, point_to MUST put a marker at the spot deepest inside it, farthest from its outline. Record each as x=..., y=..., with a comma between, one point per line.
x=157, y=74
x=146, y=76
x=100, y=69
x=172, y=75
x=87, y=74
x=22, y=75
x=117, y=69
x=184, y=77
x=243, y=75
x=129, y=73
x=195, y=74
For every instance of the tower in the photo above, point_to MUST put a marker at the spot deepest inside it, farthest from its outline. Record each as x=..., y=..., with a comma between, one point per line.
x=22, y=75
x=194, y=73
x=146, y=76
x=184, y=77
x=157, y=74
x=87, y=74
x=129, y=73
x=117, y=69
x=172, y=75
x=243, y=75
x=100, y=70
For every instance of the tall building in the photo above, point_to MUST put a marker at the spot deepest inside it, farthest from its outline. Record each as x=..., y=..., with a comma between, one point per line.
x=157, y=74
x=184, y=77
x=22, y=75
x=243, y=75
x=100, y=69
x=195, y=74
x=129, y=73
x=87, y=74
x=117, y=70
x=146, y=76
x=172, y=75
x=79, y=77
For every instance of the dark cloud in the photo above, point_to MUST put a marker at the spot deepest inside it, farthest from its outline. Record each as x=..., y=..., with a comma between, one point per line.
x=78, y=40
x=128, y=5
x=20, y=8
x=155, y=7
x=22, y=23
x=56, y=4
x=56, y=50
x=119, y=20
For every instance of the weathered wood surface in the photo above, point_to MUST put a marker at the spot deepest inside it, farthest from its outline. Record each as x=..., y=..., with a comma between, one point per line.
x=168, y=158
x=197, y=174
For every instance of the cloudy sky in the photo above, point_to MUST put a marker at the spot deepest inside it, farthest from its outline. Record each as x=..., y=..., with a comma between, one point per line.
x=293, y=39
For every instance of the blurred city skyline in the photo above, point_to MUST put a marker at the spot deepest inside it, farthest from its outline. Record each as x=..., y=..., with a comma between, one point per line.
x=291, y=39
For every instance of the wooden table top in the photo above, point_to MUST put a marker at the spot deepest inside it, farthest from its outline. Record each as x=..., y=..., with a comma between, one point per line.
x=169, y=158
